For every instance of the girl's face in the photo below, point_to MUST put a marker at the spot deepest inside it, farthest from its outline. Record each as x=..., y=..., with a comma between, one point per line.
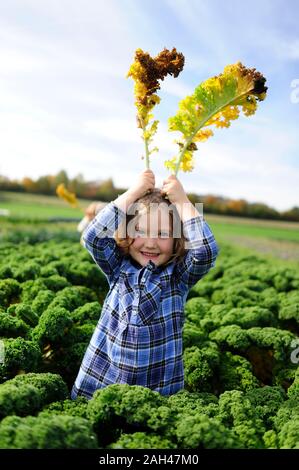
x=153, y=238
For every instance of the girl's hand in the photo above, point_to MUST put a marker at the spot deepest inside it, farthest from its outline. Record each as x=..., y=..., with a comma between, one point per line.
x=91, y=210
x=145, y=183
x=173, y=189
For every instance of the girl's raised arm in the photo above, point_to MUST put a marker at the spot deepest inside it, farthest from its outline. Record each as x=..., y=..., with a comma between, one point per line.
x=98, y=239
x=202, y=251
x=201, y=246
x=98, y=236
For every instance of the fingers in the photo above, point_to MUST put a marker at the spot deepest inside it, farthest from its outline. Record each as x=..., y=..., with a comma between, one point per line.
x=147, y=179
x=90, y=215
x=148, y=172
x=151, y=180
x=165, y=188
x=170, y=178
x=90, y=210
x=168, y=185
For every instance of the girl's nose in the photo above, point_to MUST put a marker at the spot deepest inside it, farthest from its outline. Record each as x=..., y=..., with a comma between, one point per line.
x=150, y=242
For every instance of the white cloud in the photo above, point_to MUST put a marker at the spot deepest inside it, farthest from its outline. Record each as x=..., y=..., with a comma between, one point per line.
x=111, y=100
x=257, y=174
x=36, y=151
x=118, y=130
x=228, y=169
x=176, y=87
x=294, y=49
x=66, y=38
x=58, y=56
x=12, y=61
x=282, y=49
x=197, y=17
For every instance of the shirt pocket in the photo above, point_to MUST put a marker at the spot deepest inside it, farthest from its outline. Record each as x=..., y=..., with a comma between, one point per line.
x=147, y=304
x=125, y=292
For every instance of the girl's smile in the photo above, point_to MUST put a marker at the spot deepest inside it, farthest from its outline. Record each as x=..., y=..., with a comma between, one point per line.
x=150, y=255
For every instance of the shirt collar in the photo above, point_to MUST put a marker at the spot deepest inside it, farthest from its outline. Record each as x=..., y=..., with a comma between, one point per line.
x=150, y=265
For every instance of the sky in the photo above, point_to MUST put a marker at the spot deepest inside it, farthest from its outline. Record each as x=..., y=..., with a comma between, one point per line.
x=65, y=101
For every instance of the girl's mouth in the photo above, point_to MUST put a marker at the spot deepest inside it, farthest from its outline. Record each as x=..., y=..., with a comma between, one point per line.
x=149, y=255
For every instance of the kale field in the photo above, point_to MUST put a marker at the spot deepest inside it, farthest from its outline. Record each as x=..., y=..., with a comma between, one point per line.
x=241, y=353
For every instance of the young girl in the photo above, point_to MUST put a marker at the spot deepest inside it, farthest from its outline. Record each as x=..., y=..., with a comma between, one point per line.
x=138, y=338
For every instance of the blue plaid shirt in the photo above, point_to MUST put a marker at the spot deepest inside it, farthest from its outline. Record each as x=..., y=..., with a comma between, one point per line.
x=138, y=338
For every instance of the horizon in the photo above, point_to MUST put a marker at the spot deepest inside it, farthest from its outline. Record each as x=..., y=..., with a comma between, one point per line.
x=218, y=196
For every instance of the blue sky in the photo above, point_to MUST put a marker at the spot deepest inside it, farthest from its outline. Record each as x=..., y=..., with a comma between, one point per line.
x=65, y=101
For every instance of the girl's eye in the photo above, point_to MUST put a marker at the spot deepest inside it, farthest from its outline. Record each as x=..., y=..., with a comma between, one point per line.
x=163, y=234
x=140, y=233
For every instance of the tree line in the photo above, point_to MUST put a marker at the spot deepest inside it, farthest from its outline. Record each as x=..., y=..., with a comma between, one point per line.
x=106, y=191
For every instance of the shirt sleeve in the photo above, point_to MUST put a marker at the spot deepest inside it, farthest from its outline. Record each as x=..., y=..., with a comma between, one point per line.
x=98, y=239
x=202, y=251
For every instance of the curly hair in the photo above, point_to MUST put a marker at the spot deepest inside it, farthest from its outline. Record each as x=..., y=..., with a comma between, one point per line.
x=155, y=197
